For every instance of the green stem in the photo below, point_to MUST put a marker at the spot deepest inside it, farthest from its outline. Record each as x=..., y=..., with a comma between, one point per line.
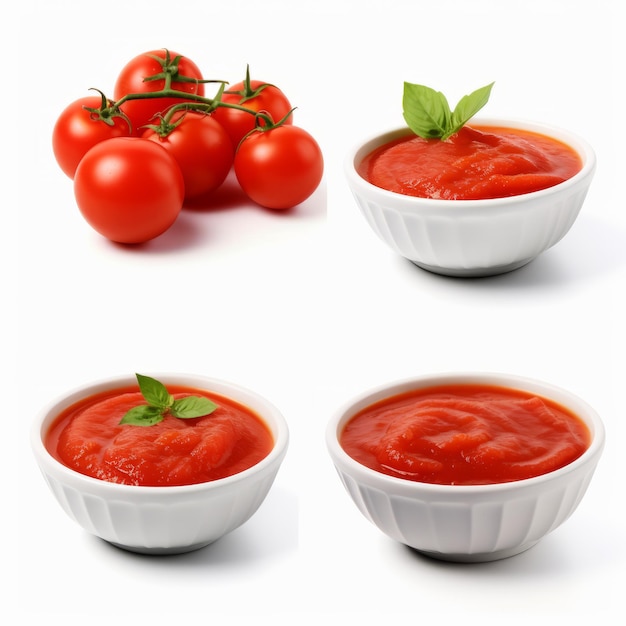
x=193, y=102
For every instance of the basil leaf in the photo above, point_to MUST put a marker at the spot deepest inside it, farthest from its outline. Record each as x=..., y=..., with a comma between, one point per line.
x=428, y=114
x=426, y=111
x=192, y=406
x=154, y=392
x=467, y=107
x=143, y=415
x=160, y=402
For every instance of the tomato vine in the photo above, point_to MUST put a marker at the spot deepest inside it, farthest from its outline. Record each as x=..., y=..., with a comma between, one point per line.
x=110, y=109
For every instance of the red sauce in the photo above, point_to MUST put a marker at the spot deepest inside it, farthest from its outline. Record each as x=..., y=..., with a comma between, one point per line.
x=465, y=435
x=88, y=438
x=476, y=163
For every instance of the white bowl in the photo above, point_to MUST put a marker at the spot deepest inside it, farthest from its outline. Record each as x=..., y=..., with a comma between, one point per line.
x=470, y=523
x=161, y=520
x=473, y=237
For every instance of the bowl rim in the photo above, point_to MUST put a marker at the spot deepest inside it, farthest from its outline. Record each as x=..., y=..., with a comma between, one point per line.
x=372, y=477
x=359, y=150
x=266, y=410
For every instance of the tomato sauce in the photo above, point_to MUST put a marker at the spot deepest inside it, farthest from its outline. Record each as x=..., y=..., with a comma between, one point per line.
x=476, y=163
x=88, y=438
x=465, y=435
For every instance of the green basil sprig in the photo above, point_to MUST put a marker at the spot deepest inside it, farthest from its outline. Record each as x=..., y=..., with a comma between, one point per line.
x=160, y=402
x=428, y=113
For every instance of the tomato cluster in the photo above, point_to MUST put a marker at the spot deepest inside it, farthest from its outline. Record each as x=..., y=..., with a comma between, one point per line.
x=135, y=160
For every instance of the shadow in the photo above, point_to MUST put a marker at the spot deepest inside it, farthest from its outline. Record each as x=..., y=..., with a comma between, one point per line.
x=592, y=249
x=228, y=195
x=549, y=559
x=272, y=531
x=190, y=229
x=182, y=235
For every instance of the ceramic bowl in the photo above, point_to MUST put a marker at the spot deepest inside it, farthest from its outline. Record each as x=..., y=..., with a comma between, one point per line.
x=467, y=523
x=161, y=520
x=473, y=237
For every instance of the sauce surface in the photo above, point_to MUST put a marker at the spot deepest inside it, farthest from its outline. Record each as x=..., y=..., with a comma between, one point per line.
x=478, y=162
x=465, y=435
x=88, y=438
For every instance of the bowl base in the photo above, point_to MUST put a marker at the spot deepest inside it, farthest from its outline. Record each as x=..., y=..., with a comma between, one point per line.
x=476, y=272
x=481, y=557
x=161, y=551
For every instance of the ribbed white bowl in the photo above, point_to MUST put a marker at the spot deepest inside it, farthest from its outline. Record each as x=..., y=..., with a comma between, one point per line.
x=467, y=523
x=162, y=520
x=473, y=237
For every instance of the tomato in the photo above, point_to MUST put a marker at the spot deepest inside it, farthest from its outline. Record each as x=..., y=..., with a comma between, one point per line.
x=129, y=189
x=202, y=149
x=280, y=167
x=131, y=80
x=239, y=123
x=77, y=129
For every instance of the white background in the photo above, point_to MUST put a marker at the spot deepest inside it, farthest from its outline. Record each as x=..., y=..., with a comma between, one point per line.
x=308, y=308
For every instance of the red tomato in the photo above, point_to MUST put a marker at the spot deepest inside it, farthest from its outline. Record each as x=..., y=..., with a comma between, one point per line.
x=279, y=168
x=129, y=189
x=238, y=123
x=202, y=149
x=77, y=130
x=131, y=80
